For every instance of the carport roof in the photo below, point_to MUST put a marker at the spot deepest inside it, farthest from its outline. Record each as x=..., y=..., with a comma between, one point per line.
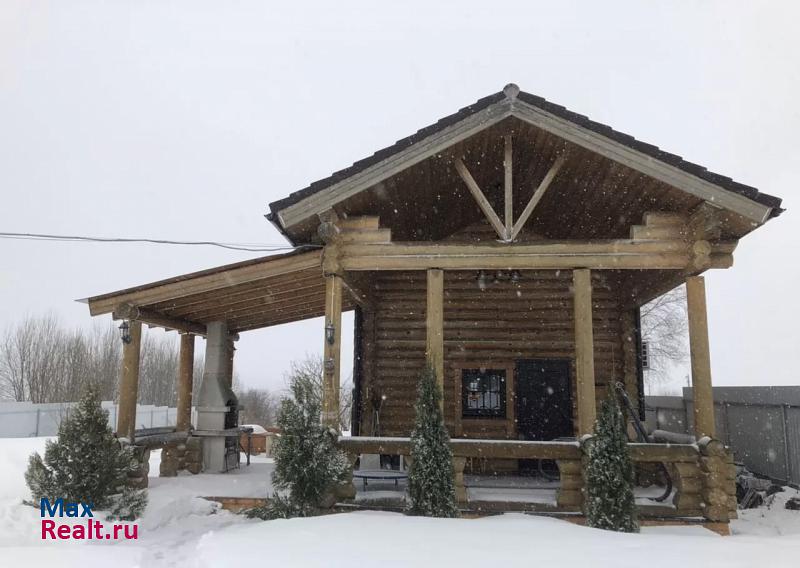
x=252, y=294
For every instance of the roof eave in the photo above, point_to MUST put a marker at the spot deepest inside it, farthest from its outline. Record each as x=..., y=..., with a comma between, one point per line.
x=650, y=160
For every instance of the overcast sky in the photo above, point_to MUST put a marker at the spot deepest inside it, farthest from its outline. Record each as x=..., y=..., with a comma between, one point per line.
x=183, y=120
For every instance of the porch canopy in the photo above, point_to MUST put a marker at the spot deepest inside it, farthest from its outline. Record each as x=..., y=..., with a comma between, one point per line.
x=253, y=294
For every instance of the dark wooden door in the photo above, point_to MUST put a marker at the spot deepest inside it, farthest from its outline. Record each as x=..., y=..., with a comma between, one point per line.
x=544, y=399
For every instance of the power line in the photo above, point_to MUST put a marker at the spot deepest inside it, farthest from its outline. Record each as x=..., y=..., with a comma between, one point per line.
x=248, y=247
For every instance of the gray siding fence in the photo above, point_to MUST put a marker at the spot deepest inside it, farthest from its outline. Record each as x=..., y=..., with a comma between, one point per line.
x=25, y=419
x=760, y=424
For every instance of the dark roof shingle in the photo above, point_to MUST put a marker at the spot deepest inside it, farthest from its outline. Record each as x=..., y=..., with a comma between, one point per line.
x=562, y=112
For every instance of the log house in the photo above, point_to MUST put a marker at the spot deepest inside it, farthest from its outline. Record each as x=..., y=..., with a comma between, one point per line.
x=510, y=245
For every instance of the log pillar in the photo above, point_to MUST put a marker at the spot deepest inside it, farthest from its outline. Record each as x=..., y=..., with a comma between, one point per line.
x=569, y=496
x=719, y=481
x=434, y=324
x=332, y=350
x=129, y=382
x=584, y=350
x=185, y=381
x=700, y=357
x=462, y=495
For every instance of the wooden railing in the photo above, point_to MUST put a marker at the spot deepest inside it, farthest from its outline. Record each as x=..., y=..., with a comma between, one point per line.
x=566, y=454
x=702, y=474
x=467, y=448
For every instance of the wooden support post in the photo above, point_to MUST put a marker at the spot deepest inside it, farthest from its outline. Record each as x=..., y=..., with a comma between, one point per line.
x=569, y=496
x=333, y=343
x=185, y=381
x=630, y=355
x=434, y=323
x=480, y=198
x=368, y=378
x=508, y=167
x=700, y=356
x=718, y=475
x=584, y=350
x=537, y=196
x=459, y=464
x=129, y=382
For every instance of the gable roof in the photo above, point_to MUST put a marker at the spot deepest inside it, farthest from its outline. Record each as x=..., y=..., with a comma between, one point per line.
x=508, y=98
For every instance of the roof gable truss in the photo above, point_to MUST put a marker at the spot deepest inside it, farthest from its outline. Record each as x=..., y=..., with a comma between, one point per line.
x=509, y=229
x=440, y=141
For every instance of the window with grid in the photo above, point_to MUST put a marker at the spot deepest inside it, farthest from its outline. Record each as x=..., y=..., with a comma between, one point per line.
x=483, y=393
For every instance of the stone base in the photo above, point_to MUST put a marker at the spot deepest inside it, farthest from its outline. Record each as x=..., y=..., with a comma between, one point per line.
x=138, y=478
x=182, y=456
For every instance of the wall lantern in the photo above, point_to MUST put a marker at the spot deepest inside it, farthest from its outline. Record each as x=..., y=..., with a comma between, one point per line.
x=125, y=332
x=482, y=279
x=330, y=333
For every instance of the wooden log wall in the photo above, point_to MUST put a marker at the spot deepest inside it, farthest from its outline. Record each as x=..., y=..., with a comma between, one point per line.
x=483, y=328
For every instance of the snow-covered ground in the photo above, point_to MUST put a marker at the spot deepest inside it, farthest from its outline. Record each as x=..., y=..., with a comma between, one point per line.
x=180, y=529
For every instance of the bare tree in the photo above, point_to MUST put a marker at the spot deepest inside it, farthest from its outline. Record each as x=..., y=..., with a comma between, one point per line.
x=106, y=359
x=259, y=406
x=665, y=330
x=311, y=369
x=41, y=361
x=31, y=357
x=158, y=370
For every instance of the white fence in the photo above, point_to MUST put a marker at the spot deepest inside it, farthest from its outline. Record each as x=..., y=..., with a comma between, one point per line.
x=25, y=419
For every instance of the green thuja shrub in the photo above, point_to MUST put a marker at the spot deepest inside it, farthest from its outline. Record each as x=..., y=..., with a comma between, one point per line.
x=431, y=487
x=610, y=502
x=308, y=464
x=86, y=463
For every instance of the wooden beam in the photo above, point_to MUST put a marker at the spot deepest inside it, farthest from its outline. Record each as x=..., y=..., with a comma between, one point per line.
x=700, y=357
x=205, y=281
x=517, y=449
x=537, y=196
x=187, y=307
x=269, y=318
x=359, y=222
x=641, y=162
x=483, y=203
x=263, y=323
x=663, y=219
x=185, y=382
x=508, y=167
x=584, y=351
x=212, y=310
x=128, y=311
x=129, y=382
x=257, y=305
x=366, y=236
x=434, y=324
x=328, y=230
x=415, y=153
x=705, y=222
x=665, y=453
x=332, y=351
x=358, y=292
x=635, y=294
x=467, y=448
x=611, y=254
